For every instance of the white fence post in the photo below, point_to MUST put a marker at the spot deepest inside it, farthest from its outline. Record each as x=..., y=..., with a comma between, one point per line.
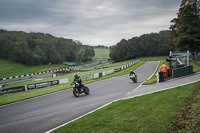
x=157, y=77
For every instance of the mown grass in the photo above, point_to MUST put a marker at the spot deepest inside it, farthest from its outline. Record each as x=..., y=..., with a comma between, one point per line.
x=10, y=69
x=153, y=113
x=101, y=53
x=15, y=97
x=196, y=65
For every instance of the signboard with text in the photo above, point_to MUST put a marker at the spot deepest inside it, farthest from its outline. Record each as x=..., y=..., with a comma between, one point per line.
x=42, y=85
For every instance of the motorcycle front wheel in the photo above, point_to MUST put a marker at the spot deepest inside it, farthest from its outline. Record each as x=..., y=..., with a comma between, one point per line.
x=75, y=92
x=87, y=91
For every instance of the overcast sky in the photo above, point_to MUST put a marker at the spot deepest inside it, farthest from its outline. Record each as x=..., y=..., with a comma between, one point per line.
x=94, y=22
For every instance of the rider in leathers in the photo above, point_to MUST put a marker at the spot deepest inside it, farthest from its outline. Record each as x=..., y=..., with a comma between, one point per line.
x=131, y=72
x=78, y=80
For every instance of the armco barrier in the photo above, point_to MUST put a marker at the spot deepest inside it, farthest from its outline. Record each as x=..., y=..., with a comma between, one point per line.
x=117, y=69
x=182, y=71
x=103, y=73
x=96, y=75
x=109, y=72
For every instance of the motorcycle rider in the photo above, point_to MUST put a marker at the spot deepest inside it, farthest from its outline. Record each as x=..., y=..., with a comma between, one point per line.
x=78, y=80
x=131, y=72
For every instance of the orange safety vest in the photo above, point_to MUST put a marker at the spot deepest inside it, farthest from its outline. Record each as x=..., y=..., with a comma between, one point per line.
x=164, y=68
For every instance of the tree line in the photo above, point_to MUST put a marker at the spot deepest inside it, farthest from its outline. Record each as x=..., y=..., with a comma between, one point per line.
x=185, y=28
x=39, y=48
x=153, y=44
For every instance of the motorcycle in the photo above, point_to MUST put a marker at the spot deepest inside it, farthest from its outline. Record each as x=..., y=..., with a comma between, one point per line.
x=79, y=90
x=134, y=78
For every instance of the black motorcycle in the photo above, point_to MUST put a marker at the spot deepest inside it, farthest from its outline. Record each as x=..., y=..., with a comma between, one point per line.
x=77, y=90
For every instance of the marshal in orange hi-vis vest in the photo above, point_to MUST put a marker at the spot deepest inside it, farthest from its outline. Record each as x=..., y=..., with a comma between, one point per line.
x=164, y=70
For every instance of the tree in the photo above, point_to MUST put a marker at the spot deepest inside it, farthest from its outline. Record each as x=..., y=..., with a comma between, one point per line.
x=80, y=56
x=185, y=28
x=152, y=44
x=119, y=52
x=38, y=55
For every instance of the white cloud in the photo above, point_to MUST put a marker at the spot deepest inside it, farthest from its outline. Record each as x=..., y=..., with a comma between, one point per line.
x=103, y=22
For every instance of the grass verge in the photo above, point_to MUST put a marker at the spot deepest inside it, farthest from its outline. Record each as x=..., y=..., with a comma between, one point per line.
x=196, y=65
x=151, y=113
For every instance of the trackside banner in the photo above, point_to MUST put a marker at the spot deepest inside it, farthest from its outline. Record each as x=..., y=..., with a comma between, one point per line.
x=41, y=85
x=32, y=86
x=12, y=90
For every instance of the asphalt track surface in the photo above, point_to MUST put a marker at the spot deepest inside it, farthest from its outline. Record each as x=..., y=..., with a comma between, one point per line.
x=47, y=112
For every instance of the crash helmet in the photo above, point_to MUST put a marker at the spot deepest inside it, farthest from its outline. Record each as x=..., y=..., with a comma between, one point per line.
x=75, y=75
x=131, y=70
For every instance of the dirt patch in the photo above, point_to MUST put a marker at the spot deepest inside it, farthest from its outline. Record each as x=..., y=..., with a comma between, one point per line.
x=189, y=119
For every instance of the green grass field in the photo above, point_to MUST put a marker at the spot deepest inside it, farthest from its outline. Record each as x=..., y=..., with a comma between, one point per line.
x=153, y=113
x=196, y=65
x=10, y=69
x=102, y=53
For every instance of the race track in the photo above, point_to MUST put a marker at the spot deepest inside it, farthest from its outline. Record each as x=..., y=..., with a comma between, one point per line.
x=46, y=112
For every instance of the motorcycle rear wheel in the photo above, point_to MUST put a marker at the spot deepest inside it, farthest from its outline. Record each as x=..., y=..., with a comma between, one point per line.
x=87, y=91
